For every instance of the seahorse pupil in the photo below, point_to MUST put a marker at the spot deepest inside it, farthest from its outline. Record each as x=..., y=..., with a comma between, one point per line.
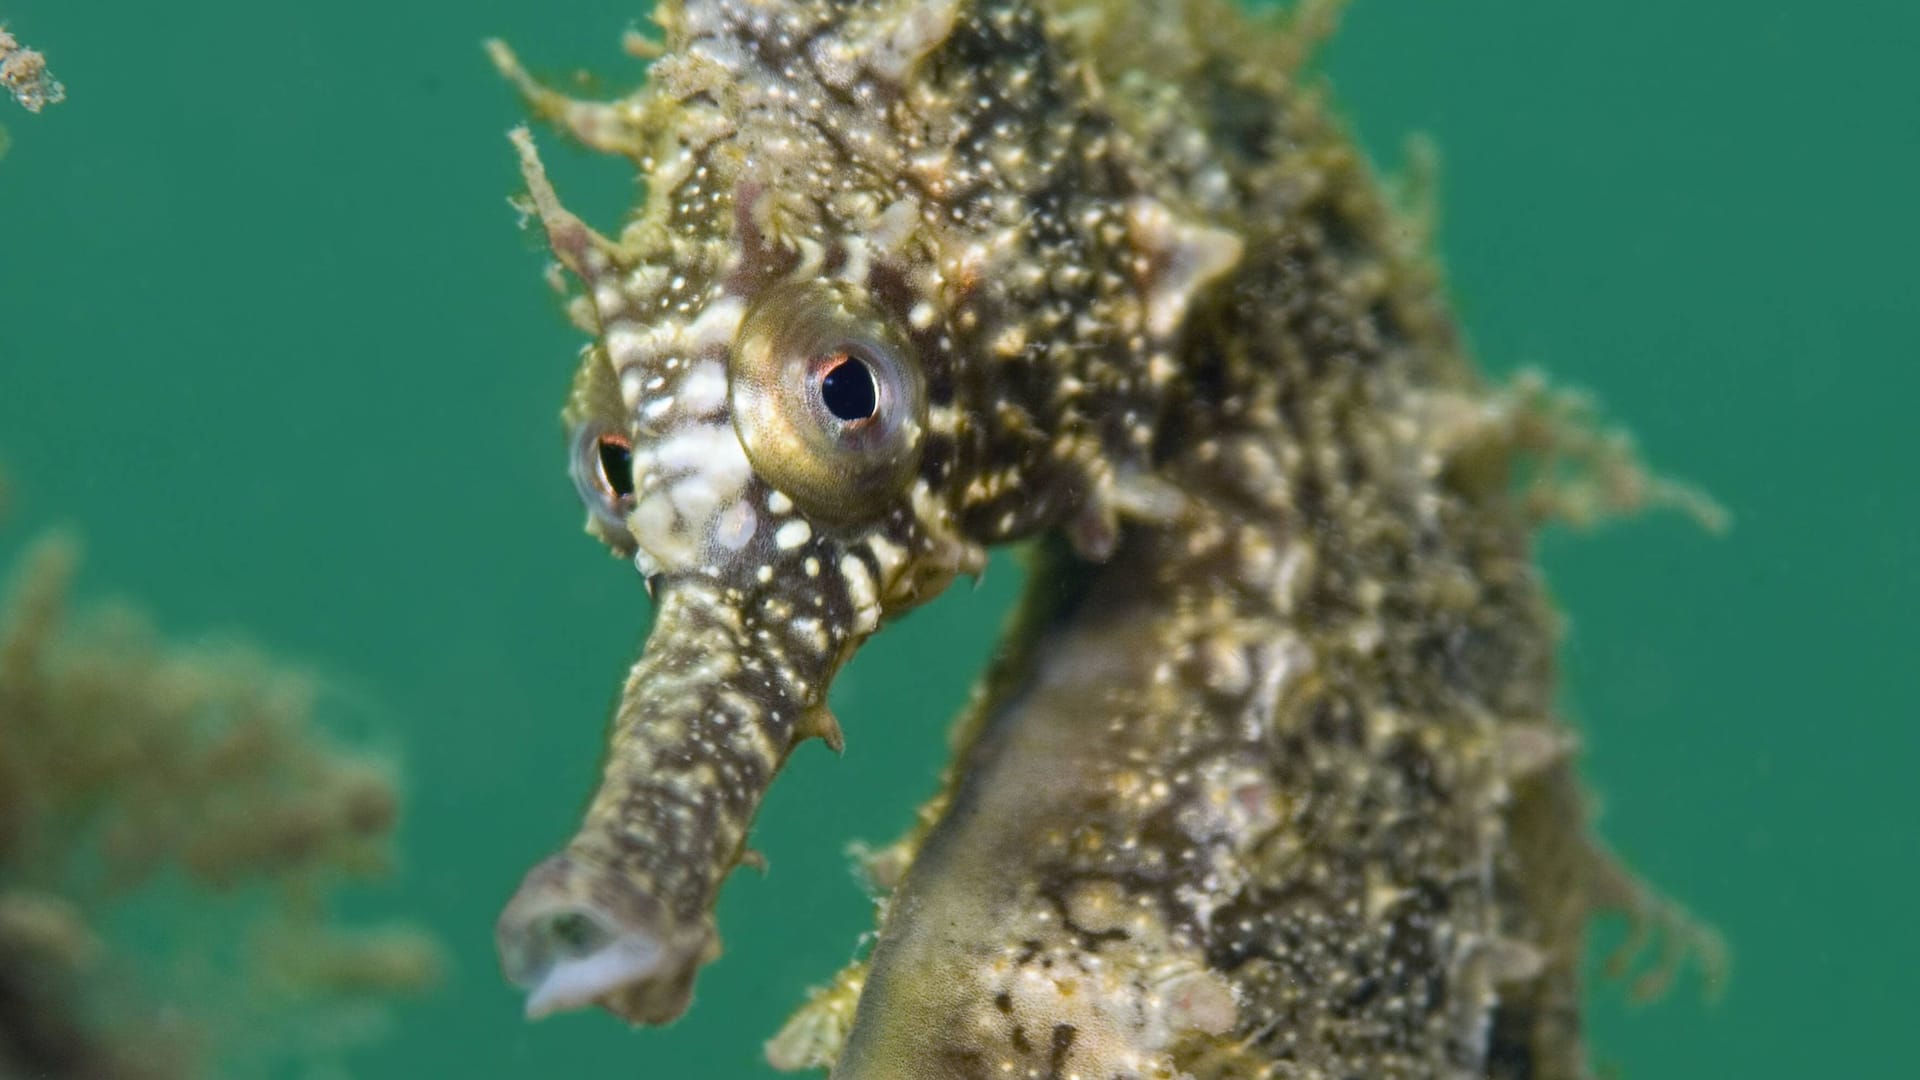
x=848, y=390
x=616, y=466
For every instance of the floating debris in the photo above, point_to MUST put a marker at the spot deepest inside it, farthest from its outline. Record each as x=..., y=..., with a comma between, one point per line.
x=24, y=73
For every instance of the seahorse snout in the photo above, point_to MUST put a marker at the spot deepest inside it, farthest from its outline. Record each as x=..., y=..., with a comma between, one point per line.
x=622, y=917
x=569, y=948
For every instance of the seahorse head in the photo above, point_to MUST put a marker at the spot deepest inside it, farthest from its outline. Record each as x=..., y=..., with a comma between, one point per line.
x=888, y=299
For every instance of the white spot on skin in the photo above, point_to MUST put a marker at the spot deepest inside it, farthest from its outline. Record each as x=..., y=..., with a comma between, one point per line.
x=692, y=475
x=625, y=344
x=834, y=61
x=711, y=451
x=632, y=383
x=857, y=265
x=860, y=590
x=704, y=390
x=717, y=325
x=735, y=526
x=792, y=534
x=696, y=501
x=813, y=256
x=608, y=299
x=922, y=26
x=1199, y=1001
x=888, y=555
x=645, y=563
x=811, y=632
x=779, y=503
x=896, y=224
x=659, y=542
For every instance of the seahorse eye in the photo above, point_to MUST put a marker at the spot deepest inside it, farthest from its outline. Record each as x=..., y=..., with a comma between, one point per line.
x=602, y=470
x=829, y=401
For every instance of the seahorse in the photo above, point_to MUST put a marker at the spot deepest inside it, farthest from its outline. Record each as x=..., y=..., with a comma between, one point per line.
x=1269, y=780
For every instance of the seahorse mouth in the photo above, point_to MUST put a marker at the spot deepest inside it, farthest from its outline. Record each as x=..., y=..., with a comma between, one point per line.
x=569, y=948
x=577, y=959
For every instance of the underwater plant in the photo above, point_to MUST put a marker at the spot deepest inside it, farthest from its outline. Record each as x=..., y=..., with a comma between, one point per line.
x=175, y=827
x=1268, y=779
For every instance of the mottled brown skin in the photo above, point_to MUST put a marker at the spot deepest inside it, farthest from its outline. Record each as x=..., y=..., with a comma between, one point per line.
x=1281, y=714
x=1269, y=784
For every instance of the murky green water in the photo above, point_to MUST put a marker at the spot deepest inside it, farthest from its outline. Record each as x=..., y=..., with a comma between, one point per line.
x=270, y=339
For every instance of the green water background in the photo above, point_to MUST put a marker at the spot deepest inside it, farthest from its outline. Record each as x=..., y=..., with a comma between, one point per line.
x=270, y=339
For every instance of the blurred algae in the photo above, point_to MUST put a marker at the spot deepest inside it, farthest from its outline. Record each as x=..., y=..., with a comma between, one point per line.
x=175, y=827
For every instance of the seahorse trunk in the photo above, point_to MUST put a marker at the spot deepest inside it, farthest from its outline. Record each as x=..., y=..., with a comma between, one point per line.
x=623, y=916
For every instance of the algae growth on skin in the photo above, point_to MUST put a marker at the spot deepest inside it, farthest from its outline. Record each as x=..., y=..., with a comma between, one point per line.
x=1268, y=780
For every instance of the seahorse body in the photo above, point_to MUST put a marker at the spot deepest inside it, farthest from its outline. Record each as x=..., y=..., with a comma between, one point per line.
x=1270, y=784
